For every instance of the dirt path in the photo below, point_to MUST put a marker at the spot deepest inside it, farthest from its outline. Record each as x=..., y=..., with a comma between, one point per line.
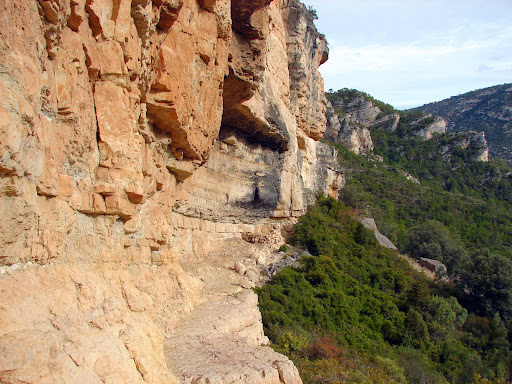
x=221, y=341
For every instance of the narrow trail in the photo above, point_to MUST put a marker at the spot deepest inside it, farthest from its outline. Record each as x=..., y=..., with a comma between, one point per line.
x=221, y=340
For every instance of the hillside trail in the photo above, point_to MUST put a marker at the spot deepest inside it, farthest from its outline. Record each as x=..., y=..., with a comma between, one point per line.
x=221, y=340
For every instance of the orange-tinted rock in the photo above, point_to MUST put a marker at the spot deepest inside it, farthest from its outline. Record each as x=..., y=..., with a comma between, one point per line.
x=243, y=17
x=136, y=137
x=135, y=194
x=105, y=60
x=185, y=99
x=102, y=17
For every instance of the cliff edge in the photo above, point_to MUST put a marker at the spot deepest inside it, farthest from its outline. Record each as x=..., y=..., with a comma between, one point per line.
x=138, y=139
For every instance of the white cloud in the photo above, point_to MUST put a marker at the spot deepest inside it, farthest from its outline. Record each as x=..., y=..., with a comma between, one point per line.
x=414, y=52
x=374, y=57
x=425, y=67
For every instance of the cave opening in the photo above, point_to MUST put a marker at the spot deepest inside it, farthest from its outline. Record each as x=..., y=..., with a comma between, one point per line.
x=256, y=198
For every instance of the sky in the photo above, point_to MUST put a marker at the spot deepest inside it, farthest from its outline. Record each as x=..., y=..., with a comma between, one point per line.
x=411, y=52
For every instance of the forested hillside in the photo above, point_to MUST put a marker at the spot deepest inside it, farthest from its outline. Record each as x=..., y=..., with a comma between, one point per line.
x=486, y=110
x=356, y=312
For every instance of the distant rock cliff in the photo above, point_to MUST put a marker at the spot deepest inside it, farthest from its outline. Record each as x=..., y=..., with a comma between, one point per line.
x=353, y=115
x=344, y=128
x=436, y=125
x=475, y=140
x=136, y=138
x=487, y=110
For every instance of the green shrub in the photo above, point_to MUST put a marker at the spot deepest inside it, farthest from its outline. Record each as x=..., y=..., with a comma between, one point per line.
x=284, y=248
x=289, y=342
x=433, y=240
x=353, y=302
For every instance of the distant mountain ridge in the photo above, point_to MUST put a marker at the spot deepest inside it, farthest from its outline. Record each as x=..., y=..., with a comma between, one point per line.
x=355, y=118
x=487, y=110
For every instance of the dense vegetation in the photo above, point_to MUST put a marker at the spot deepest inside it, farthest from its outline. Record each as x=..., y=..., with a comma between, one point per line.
x=472, y=199
x=356, y=312
x=461, y=210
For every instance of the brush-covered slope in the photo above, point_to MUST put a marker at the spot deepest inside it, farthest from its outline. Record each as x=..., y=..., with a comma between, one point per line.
x=354, y=311
x=487, y=110
x=414, y=166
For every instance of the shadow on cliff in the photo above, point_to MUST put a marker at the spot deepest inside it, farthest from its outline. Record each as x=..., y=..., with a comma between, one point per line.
x=259, y=167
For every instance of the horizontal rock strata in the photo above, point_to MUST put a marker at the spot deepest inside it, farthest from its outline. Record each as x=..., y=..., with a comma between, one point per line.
x=137, y=137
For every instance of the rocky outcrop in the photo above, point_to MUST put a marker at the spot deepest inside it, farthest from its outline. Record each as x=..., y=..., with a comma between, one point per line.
x=438, y=268
x=369, y=223
x=357, y=106
x=352, y=114
x=345, y=128
x=436, y=126
x=265, y=161
x=475, y=141
x=409, y=177
x=307, y=50
x=487, y=110
x=137, y=136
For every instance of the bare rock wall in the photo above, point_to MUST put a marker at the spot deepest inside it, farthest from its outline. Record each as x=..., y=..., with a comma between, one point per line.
x=136, y=136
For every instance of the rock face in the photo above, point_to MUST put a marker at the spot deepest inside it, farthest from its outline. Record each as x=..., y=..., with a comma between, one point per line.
x=369, y=223
x=136, y=136
x=475, y=140
x=487, y=110
x=350, y=117
x=352, y=114
x=215, y=339
x=348, y=131
x=348, y=123
x=437, y=126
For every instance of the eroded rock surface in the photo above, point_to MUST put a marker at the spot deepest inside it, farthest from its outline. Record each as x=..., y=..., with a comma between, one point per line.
x=437, y=126
x=217, y=337
x=137, y=137
x=222, y=340
x=348, y=123
x=352, y=115
x=487, y=110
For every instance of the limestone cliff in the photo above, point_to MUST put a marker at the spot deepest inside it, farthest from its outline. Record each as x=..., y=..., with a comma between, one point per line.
x=350, y=117
x=487, y=110
x=137, y=137
x=347, y=130
x=435, y=125
x=352, y=114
